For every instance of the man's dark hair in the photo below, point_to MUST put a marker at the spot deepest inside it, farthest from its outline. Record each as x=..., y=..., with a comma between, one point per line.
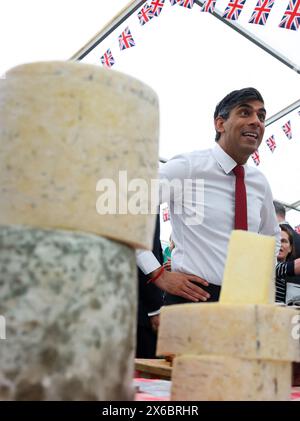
x=279, y=208
x=232, y=100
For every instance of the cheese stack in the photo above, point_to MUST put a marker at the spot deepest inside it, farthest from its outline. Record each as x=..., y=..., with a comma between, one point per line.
x=67, y=269
x=240, y=348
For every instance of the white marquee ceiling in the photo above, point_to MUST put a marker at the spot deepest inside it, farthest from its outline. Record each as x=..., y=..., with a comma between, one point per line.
x=192, y=59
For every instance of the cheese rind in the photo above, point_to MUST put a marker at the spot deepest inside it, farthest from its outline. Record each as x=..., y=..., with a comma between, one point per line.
x=218, y=378
x=249, y=269
x=245, y=331
x=63, y=127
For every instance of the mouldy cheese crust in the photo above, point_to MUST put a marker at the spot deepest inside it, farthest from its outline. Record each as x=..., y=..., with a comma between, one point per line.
x=69, y=300
x=63, y=127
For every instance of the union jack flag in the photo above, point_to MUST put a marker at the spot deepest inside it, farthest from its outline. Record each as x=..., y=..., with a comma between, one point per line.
x=126, y=39
x=287, y=128
x=157, y=6
x=255, y=157
x=174, y=2
x=233, y=10
x=186, y=3
x=291, y=18
x=261, y=12
x=297, y=229
x=209, y=6
x=271, y=143
x=145, y=14
x=107, y=59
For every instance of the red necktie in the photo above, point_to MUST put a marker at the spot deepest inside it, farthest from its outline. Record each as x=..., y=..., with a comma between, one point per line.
x=240, y=199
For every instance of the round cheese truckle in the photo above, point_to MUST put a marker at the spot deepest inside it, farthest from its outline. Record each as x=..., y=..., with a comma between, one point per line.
x=78, y=147
x=252, y=331
x=69, y=304
x=220, y=378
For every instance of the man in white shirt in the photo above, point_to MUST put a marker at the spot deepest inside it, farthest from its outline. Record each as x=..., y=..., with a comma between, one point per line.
x=201, y=245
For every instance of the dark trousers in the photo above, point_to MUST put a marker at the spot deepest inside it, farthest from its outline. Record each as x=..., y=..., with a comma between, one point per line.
x=146, y=342
x=213, y=290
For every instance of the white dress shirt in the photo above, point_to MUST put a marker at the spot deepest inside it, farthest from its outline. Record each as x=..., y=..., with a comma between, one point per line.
x=201, y=248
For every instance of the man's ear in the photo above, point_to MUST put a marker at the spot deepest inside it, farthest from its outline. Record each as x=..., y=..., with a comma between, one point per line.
x=219, y=124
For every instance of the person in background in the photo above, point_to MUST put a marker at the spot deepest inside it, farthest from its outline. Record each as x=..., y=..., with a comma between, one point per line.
x=282, y=277
x=286, y=268
x=281, y=215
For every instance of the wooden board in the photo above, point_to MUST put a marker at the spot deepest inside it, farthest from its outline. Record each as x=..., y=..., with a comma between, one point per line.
x=158, y=368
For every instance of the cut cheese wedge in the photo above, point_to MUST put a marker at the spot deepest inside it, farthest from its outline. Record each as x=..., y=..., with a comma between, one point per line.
x=245, y=331
x=249, y=269
x=218, y=378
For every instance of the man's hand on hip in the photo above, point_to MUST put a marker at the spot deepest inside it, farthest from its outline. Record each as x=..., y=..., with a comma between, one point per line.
x=177, y=283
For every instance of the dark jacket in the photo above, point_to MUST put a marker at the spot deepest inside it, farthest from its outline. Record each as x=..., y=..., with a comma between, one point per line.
x=149, y=295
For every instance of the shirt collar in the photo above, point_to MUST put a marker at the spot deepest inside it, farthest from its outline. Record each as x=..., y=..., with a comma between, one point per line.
x=223, y=159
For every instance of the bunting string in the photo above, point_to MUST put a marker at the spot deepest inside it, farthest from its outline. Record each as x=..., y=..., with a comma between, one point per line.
x=290, y=20
x=259, y=16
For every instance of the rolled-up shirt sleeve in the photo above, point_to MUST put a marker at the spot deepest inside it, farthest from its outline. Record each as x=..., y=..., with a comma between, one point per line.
x=146, y=261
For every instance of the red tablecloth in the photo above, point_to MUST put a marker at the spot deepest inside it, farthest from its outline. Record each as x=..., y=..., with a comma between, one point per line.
x=159, y=390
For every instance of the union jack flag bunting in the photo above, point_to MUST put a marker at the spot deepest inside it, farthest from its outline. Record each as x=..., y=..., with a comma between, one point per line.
x=126, y=39
x=233, y=10
x=174, y=2
x=107, y=59
x=297, y=229
x=255, y=157
x=291, y=18
x=156, y=6
x=287, y=128
x=145, y=14
x=186, y=3
x=271, y=143
x=261, y=12
x=209, y=6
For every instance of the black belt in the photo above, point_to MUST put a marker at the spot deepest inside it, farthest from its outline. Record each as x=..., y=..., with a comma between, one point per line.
x=213, y=290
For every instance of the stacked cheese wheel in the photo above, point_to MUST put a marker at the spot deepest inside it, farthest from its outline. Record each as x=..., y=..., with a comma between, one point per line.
x=67, y=271
x=240, y=348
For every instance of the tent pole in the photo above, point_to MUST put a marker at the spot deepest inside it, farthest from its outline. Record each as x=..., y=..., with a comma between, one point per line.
x=242, y=31
x=124, y=14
